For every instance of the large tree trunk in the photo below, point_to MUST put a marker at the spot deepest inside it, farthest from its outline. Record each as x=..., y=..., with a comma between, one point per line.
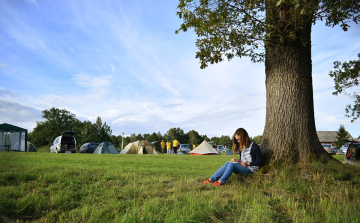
x=290, y=133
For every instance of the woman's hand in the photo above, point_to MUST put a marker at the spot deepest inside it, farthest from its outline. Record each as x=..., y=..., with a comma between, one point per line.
x=244, y=164
x=235, y=160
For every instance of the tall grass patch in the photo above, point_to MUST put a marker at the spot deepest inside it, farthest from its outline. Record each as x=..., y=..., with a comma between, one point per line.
x=44, y=187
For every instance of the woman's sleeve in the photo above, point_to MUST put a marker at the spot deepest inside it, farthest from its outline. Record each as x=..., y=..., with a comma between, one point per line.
x=256, y=156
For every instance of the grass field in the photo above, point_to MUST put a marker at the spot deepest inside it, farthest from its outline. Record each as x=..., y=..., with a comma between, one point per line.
x=44, y=187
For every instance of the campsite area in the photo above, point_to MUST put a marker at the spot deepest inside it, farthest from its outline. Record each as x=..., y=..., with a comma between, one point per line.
x=48, y=187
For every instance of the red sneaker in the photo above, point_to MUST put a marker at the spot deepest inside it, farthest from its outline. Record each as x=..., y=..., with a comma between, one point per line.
x=207, y=181
x=217, y=183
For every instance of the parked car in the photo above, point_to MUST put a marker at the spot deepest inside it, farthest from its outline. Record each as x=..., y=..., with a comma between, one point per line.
x=66, y=143
x=88, y=147
x=184, y=148
x=328, y=148
x=220, y=148
x=335, y=150
x=343, y=149
x=352, y=154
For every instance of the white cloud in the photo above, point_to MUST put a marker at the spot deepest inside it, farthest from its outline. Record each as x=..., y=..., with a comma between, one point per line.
x=19, y=115
x=112, y=67
x=333, y=120
x=85, y=80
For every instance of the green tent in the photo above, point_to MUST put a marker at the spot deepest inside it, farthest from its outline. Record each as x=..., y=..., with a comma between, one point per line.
x=30, y=147
x=13, y=138
x=106, y=148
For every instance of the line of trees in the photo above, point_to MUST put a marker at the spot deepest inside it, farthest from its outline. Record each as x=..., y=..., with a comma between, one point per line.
x=57, y=121
x=60, y=120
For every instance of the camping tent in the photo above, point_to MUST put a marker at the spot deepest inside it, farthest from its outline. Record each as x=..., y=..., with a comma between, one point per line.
x=137, y=148
x=203, y=149
x=106, y=148
x=30, y=147
x=12, y=138
x=226, y=152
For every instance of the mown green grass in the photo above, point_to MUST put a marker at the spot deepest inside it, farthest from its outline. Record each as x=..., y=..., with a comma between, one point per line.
x=43, y=149
x=45, y=187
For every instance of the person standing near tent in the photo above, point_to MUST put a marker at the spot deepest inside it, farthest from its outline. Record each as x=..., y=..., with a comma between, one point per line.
x=249, y=162
x=143, y=149
x=162, y=144
x=194, y=146
x=175, y=145
x=168, y=147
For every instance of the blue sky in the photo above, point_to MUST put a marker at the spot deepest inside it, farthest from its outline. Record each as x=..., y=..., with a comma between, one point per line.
x=121, y=60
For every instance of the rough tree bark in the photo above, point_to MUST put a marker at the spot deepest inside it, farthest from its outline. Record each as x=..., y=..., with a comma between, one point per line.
x=290, y=133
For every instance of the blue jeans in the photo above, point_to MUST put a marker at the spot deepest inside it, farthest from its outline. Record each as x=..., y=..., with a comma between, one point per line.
x=224, y=173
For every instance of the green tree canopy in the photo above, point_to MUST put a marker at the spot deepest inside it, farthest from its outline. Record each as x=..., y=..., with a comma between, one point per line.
x=88, y=133
x=133, y=137
x=55, y=122
x=215, y=139
x=257, y=139
x=177, y=133
x=160, y=137
x=122, y=142
x=152, y=138
x=194, y=137
x=114, y=141
x=145, y=136
x=140, y=137
x=204, y=137
x=127, y=140
x=347, y=76
x=103, y=131
x=340, y=135
x=225, y=141
x=60, y=120
x=233, y=28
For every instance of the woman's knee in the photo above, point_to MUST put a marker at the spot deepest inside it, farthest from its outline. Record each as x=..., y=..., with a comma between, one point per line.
x=231, y=164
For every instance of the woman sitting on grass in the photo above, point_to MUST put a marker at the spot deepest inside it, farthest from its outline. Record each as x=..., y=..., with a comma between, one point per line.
x=249, y=162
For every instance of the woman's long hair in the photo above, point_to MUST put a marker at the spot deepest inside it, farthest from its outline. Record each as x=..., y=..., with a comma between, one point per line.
x=244, y=141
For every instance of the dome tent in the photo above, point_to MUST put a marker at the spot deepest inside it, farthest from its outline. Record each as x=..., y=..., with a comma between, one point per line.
x=30, y=147
x=106, y=148
x=203, y=149
x=136, y=148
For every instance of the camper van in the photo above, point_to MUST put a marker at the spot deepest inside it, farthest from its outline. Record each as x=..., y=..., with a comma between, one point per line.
x=65, y=143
